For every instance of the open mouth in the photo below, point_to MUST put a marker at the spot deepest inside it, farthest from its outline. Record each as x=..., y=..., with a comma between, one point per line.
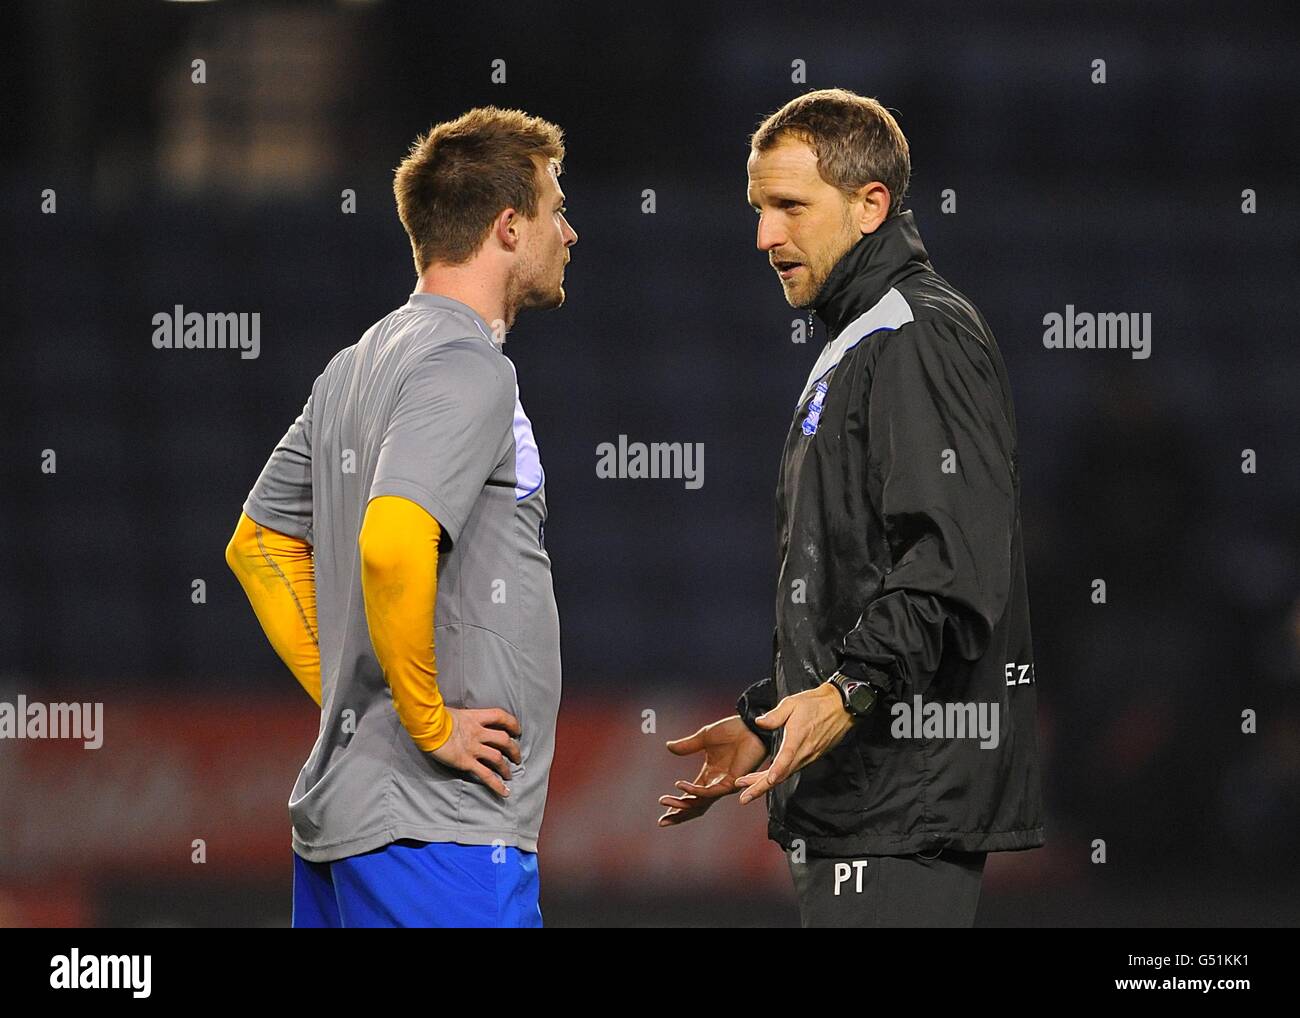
x=787, y=269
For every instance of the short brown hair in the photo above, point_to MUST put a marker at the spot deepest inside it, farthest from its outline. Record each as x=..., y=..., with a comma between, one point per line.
x=459, y=175
x=856, y=140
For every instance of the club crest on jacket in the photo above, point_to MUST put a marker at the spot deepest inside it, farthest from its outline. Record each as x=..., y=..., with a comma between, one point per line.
x=815, y=408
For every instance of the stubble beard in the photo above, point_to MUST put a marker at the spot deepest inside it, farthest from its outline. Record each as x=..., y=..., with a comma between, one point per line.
x=818, y=274
x=807, y=294
x=530, y=289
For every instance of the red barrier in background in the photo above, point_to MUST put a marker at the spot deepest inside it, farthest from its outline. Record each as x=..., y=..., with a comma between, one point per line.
x=178, y=775
x=220, y=771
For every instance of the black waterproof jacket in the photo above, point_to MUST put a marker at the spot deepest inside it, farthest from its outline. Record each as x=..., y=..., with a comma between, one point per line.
x=900, y=562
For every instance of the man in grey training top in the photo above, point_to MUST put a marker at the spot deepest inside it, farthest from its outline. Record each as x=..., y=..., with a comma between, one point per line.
x=403, y=510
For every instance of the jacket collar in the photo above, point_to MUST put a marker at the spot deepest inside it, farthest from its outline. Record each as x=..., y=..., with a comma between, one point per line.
x=868, y=269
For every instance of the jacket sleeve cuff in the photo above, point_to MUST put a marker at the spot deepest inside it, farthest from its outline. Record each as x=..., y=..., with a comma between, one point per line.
x=757, y=699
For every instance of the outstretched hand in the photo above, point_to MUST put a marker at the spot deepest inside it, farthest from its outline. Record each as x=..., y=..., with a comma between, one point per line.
x=730, y=749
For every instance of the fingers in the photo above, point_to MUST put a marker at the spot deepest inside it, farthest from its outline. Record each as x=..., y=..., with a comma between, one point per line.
x=783, y=765
x=687, y=745
x=777, y=716
x=719, y=786
x=495, y=760
x=489, y=778
x=495, y=717
x=502, y=741
x=786, y=763
x=680, y=809
x=695, y=799
x=755, y=786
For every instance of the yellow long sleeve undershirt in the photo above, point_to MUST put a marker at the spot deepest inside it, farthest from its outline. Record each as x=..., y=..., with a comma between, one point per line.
x=278, y=575
x=399, y=582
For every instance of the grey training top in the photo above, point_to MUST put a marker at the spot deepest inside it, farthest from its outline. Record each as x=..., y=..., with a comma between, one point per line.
x=424, y=406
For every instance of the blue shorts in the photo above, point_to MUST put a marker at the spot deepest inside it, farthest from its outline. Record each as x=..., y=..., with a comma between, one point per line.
x=419, y=883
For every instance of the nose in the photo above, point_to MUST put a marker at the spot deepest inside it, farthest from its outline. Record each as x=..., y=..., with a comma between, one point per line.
x=770, y=235
x=570, y=235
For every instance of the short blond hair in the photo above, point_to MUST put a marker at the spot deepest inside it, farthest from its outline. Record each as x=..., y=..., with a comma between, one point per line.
x=459, y=175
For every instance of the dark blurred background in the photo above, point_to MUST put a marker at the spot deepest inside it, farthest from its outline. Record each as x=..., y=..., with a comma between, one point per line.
x=226, y=196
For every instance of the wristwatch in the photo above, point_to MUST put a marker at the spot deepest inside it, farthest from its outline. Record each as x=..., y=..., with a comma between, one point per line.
x=859, y=696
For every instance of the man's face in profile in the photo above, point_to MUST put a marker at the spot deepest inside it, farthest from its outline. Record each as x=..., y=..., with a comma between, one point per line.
x=538, y=279
x=805, y=225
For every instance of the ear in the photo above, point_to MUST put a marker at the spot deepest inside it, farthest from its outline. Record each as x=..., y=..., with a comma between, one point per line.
x=872, y=206
x=506, y=228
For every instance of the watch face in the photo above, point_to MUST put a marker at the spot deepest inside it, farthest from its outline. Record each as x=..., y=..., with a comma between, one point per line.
x=860, y=696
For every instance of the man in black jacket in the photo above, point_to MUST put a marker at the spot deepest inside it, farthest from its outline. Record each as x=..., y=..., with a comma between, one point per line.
x=900, y=713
